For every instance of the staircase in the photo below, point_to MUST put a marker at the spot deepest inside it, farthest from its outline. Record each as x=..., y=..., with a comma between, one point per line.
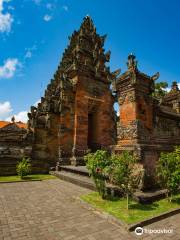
x=78, y=175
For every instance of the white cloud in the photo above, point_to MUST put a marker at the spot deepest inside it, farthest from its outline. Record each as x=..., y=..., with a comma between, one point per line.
x=168, y=89
x=21, y=116
x=6, y=113
x=47, y=18
x=1, y=5
x=65, y=8
x=28, y=54
x=5, y=109
x=5, y=22
x=6, y=19
x=29, y=51
x=9, y=68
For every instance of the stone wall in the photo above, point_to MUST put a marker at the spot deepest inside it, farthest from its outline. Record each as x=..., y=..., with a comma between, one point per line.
x=14, y=145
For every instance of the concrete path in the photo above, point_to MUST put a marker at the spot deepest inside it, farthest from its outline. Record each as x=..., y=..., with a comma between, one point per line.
x=47, y=210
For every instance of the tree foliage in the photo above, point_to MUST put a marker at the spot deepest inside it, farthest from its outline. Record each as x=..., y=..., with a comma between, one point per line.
x=160, y=90
x=168, y=171
x=96, y=163
x=122, y=170
x=126, y=172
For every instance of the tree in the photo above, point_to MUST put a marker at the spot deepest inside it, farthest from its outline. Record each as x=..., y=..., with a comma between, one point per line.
x=160, y=90
x=168, y=172
x=122, y=170
x=125, y=172
x=23, y=167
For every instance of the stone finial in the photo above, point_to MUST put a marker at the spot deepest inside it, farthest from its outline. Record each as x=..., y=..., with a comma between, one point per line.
x=107, y=56
x=87, y=24
x=132, y=63
x=174, y=87
x=13, y=119
x=155, y=76
x=87, y=17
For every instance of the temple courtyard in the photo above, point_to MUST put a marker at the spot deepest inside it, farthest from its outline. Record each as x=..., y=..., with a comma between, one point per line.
x=49, y=210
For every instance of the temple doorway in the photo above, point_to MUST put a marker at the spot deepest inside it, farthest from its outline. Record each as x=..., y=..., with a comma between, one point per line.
x=92, y=132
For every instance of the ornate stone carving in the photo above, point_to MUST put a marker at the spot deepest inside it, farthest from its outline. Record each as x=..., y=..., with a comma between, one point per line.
x=132, y=63
x=121, y=99
x=166, y=127
x=127, y=132
x=155, y=76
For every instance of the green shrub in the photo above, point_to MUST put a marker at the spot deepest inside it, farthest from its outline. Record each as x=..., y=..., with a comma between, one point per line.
x=125, y=172
x=168, y=172
x=122, y=170
x=23, y=167
x=96, y=163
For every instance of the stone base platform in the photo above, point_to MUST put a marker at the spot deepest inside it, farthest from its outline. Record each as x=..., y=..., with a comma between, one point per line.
x=81, y=170
x=80, y=176
x=150, y=196
x=79, y=180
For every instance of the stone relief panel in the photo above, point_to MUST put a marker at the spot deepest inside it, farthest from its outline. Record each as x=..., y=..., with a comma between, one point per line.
x=128, y=97
x=135, y=130
x=165, y=127
x=127, y=132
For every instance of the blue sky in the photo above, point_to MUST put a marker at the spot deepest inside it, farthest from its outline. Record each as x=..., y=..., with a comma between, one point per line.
x=34, y=33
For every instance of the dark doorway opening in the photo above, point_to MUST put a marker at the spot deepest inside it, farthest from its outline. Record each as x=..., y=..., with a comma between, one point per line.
x=92, y=132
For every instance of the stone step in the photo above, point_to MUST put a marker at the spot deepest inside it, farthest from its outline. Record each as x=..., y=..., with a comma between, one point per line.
x=80, y=180
x=87, y=182
x=80, y=170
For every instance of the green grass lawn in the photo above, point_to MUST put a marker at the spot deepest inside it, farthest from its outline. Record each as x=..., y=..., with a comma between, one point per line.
x=137, y=212
x=29, y=177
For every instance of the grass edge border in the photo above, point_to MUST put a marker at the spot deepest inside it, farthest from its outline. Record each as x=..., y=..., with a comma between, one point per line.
x=20, y=181
x=129, y=227
x=33, y=178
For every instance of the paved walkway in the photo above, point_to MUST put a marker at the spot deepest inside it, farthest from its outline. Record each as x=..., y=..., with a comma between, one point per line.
x=47, y=210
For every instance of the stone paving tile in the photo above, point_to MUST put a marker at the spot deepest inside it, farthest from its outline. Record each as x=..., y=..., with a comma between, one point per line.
x=168, y=223
x=47, y=210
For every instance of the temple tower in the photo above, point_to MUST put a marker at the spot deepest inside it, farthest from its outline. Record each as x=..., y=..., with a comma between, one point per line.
x=146, y=126
x=134, y=93
x=135, y=127
x=76, y=114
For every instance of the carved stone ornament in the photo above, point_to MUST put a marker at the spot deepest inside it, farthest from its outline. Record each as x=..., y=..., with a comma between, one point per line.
x=74, y=83
x=121, y=99
x=127, y=132
x=132, y=63
x=155, y=76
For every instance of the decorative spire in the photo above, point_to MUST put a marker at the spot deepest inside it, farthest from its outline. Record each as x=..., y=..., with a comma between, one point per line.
x=87, y=25
x=132, y=63
x=13, y=119
x=86, y=51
